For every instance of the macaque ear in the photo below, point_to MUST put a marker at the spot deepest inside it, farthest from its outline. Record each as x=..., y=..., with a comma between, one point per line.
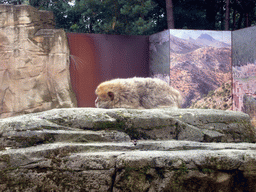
x=111, y=95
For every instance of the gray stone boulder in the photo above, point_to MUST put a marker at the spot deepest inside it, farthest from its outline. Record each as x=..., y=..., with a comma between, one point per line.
x=92, y=124
x=89, y=149
x=148, y=166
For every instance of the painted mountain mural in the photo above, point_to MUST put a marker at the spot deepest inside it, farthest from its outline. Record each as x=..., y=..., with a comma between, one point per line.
x=244, y=71
x=201, y=68
x=207, y=40
x=244, y=88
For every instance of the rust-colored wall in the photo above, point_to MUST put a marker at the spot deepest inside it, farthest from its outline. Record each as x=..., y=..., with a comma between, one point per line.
x=97, y=57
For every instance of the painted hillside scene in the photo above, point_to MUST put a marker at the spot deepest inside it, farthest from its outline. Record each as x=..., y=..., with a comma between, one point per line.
x=199, y=66
x=244, y=71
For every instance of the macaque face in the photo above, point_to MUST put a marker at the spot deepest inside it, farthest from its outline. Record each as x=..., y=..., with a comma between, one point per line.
x=105, y=100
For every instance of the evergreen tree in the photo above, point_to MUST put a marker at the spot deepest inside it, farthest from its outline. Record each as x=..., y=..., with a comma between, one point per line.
x=145, y=17
x=114, y=17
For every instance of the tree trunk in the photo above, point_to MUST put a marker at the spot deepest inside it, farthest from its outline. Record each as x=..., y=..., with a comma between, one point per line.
x=234, y=15
x=246, y=19
x=227, y=15
x=169, y=12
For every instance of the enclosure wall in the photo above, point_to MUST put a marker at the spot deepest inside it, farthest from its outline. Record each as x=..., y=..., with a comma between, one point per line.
x=97, y=57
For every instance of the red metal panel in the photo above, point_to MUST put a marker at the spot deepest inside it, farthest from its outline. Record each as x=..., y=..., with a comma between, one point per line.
x=97, y=57
x=83, y=68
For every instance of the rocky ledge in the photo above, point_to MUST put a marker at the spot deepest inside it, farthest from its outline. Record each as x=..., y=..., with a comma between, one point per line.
x=88, y=149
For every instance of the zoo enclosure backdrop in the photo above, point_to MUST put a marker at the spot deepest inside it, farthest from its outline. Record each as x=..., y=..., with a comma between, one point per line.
x=212, y=69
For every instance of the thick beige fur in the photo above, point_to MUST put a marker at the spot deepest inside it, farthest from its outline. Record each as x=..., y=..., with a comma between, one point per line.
x=137, y=93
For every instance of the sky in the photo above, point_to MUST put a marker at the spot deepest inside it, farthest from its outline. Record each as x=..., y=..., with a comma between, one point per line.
x=224, y=36
x=72, y=2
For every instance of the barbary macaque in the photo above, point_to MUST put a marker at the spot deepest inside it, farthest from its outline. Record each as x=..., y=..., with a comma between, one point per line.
x=137, y=93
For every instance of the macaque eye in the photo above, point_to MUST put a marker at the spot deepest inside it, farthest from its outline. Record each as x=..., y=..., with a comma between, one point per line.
x=111, y=95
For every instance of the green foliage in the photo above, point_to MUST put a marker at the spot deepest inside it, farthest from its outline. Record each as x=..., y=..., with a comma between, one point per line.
x=113, y=17
x=207, y=170
x=177, y=182
x=190, y=15
x=143, y=17
x=136, y=178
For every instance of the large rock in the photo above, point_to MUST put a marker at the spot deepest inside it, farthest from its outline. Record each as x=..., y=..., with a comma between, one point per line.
x=148, y=166
x=76, y=124
x=89, y=149
x=34, y=61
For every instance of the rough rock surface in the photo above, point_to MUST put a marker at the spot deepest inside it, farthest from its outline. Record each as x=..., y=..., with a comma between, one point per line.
x=34, y=62
x=89, y=149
